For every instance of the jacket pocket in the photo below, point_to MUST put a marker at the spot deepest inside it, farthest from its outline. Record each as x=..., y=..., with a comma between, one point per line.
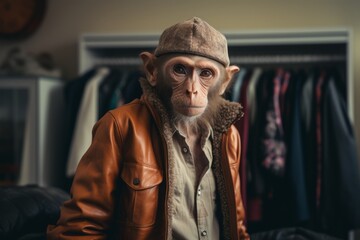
x=140, y=195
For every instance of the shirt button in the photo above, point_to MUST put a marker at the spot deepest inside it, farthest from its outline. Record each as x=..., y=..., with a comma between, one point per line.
x=185, y=150
x=203, y=233
x=199, y=192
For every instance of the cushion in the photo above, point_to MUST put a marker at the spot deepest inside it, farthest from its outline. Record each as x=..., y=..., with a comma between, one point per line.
x=28, y=209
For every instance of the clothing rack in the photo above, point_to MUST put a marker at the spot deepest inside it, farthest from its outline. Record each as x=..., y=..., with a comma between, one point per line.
x=266, y=48
x=249, y=49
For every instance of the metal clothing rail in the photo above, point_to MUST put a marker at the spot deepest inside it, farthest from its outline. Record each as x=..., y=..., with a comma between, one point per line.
x=256, y=59
x=277, y=59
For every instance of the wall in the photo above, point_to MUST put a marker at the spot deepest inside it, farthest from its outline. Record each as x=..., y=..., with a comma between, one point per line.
x=67, y=19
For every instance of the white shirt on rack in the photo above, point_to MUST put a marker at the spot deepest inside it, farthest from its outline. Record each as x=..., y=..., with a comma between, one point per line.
x=87, y=116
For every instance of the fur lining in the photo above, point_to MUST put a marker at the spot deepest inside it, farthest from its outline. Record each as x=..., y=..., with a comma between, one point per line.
x=166, y=130
x=225, y=116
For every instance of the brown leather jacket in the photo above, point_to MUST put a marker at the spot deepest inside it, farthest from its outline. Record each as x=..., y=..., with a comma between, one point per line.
x=123, y=185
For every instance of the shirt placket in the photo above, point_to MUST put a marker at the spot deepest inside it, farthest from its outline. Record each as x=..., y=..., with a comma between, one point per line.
x=202, y=191
x=201, y=213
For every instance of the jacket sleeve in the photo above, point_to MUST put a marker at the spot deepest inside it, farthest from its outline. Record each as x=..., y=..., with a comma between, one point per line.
x=234, y=151
x=88, y=214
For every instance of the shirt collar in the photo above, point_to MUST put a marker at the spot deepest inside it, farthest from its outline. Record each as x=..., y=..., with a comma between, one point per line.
x=207, y=131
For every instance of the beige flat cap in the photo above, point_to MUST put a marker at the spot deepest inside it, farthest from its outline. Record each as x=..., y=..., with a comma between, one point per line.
x=194, y=36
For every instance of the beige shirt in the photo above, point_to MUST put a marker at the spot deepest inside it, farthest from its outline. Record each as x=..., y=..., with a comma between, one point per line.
x=194, y=193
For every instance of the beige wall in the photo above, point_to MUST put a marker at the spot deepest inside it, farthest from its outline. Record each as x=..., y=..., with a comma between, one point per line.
x=67, y=19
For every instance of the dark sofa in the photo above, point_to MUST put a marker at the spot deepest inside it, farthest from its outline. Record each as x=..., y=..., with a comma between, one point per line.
x=25, y=211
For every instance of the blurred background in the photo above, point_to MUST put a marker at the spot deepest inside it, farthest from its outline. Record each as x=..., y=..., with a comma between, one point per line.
x=54, y=53
x=65, y=21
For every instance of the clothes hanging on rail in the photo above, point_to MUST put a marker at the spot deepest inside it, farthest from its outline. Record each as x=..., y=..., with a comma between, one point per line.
x=105, y=90
x=295, y=164
x=73, y=92
x=282, y=106
x=85, y=120
x=296, y=170
x=341, y=186
x=272, y=140
x=120, y=87
x=89, y=97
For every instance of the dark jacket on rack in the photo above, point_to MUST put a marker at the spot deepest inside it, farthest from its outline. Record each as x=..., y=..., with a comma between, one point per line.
x=123, y=185
x=340, y=209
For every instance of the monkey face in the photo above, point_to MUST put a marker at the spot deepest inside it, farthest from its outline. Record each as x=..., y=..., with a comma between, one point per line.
x=187, y=84
x=191, y=79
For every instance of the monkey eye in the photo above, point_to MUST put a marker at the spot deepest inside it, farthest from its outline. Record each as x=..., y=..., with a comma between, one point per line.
x=206, y=73
x=179, y=69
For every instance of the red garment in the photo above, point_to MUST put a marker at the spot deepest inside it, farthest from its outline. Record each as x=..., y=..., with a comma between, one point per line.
x=274, y=147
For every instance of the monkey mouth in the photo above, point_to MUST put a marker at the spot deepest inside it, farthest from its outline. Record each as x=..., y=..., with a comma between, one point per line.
x=193, y=106
x=191, y=110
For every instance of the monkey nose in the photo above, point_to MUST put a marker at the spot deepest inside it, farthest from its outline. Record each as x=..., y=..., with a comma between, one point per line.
x=191, y=92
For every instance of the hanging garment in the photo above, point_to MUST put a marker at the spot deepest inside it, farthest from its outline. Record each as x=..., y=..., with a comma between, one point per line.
x=318, y=133
x=273, y=146
x=106, y=90
x=238, y=81
x=295, y=169
x=308, y=119
x=116, y=98
x=86, y=118
x=340, y=202
x=73, y=92
x=286, y=100
x=307, y=96
x=258, y=95
x=251, y=94
x=132, y=89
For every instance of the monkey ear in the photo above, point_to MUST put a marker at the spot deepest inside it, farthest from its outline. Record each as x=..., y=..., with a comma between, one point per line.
x=230, y=71
x=149, y=67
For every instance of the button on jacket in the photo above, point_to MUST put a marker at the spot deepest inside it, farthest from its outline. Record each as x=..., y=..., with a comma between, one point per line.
x=123, y=186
